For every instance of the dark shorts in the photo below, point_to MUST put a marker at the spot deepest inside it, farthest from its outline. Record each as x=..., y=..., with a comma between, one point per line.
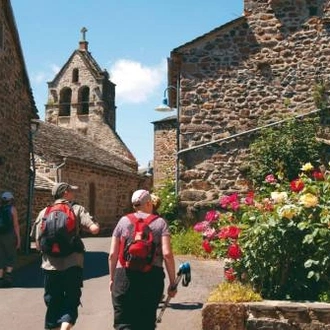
x=7, y=250
x=62, y=296
x=135, y=298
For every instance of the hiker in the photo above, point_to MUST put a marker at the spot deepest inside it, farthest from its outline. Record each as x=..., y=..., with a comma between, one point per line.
x=10, y=238
x=156, y=201
x=62, y=263
x=135, y=293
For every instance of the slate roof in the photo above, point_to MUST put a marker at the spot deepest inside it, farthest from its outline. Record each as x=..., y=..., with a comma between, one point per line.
x=52, y=143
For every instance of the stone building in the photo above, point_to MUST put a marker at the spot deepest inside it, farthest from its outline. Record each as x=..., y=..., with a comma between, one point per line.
x=78, y=142
x=253, y=71
x=17, y=109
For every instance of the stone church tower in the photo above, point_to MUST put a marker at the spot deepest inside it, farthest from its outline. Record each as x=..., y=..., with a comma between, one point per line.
x=82, y=98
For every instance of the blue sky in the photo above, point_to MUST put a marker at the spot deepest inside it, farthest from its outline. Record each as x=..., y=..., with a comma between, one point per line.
x=131, y=39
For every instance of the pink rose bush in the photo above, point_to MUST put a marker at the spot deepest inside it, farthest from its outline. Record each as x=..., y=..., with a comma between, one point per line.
x=277, y=237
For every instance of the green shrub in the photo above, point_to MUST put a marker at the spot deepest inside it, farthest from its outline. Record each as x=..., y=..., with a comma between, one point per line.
x=187, y=242
x=233, y=292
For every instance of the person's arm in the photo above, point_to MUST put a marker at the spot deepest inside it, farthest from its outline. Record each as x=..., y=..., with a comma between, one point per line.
x=94, y=228
x=16, y=227
x=169, y=264
x=113, y=258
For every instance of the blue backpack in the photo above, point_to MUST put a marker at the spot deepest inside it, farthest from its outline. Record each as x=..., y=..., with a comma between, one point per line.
x=6, y=221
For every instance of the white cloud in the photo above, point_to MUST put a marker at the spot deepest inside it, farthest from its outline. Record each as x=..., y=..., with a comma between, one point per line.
x=134, y=81
x=43, y=77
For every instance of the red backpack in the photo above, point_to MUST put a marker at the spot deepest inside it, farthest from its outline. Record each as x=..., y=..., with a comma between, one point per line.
x=137, y=249
x=59, y=235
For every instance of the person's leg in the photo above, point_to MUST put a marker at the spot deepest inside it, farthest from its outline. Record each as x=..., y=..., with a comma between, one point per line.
x=122, y=301
x=152, y=288
x=66, y=326
x=53, y=298
x=10, y=257
x=73, y=281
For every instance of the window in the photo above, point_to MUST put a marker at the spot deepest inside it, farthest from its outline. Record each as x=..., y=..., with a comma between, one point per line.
x=75, y=75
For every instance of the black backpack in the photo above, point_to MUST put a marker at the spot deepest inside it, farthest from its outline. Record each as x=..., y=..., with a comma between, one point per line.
x=59, y=233
x=6, y=219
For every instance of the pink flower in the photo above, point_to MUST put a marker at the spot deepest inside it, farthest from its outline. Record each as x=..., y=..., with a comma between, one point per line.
x=234, y=251
x=249, y=199
x=230, y=201
x=209, y=233
x=211, y=216
x=201, y=226
x=270, y=178
x=207, y=246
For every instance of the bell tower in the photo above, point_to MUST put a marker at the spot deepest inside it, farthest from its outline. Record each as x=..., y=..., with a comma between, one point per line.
x=81, y=94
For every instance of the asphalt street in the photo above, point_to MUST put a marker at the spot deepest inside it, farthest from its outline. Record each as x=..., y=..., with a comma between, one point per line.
x=22, y=307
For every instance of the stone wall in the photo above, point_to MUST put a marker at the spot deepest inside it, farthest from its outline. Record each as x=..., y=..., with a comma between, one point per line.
x=164, y=150
x=253, y=71
x=107, y=202
x=16, y=110
x=264, y=315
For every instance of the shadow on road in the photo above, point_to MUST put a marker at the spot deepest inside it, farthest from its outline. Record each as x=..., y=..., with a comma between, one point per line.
x=31, y=276
x=186, y=305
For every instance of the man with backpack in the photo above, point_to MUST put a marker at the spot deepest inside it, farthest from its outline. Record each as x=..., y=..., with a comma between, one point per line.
x=139, y=245
x=10, y=239
x=57, y=230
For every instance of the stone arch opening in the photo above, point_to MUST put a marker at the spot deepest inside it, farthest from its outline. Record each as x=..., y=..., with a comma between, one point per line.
x=75, y=75
x=83, y=100
x=65, y=101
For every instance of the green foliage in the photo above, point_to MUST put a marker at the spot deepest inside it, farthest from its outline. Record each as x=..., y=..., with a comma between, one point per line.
x=233, y=292
x=187, y=242
x=282, y=150
x=276, y=238
x=169, y=203
x=320, y=95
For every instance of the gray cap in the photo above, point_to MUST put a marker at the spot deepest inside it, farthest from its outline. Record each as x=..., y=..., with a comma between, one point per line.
x=59, y=189
x=140, y=197
x=7, y=196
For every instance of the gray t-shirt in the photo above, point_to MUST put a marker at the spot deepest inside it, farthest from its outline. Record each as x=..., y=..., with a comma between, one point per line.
x=159, y=228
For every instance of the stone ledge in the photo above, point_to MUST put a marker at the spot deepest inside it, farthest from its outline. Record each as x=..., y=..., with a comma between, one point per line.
x=268, y=314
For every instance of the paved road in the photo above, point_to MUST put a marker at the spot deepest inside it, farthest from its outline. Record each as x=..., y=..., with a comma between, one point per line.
x=22, y=308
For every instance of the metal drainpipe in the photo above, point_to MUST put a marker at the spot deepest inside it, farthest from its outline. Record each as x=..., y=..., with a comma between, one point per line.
x=30, y=194
x=58, y=177
x=246, y=132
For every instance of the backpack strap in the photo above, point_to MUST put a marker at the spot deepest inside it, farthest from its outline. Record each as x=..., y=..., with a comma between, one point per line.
x=150, y=218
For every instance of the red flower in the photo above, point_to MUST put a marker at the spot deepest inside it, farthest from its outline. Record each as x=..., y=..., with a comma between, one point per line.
x=234, y=251
x=211, y=216
x=207, y=246
x=317, y=175
x=229, y=232
x=230, y=274
x=297, y=185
